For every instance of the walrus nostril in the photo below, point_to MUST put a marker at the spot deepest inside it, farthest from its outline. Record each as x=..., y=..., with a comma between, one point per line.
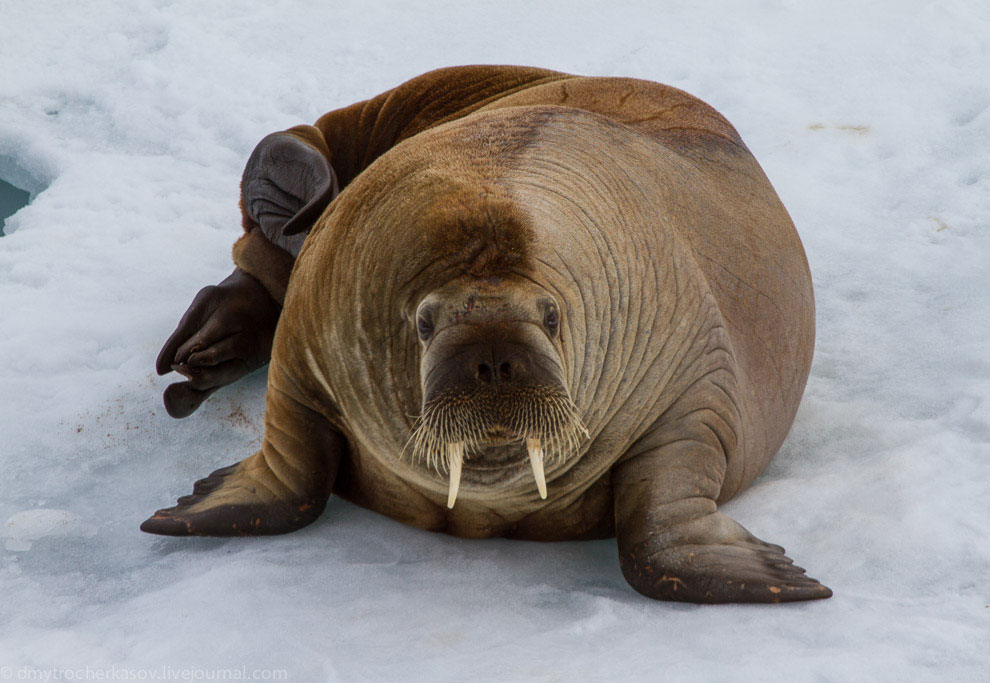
x=505, y=371
x=484, y=373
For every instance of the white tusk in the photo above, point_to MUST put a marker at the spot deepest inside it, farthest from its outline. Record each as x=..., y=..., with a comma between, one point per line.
x=536, y=460
x=455, y=456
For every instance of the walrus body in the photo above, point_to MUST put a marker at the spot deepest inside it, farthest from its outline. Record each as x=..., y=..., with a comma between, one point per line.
x=682, y=338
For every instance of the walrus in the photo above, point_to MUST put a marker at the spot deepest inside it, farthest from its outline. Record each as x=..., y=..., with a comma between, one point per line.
x=507, y=301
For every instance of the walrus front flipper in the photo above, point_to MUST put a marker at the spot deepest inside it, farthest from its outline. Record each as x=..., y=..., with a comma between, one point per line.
x=696, y=570
x=675, y=545
x=281, y=488
x=231, y=502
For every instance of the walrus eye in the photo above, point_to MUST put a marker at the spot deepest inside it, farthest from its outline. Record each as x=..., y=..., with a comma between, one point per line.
x=551, y=319
x=425, y=327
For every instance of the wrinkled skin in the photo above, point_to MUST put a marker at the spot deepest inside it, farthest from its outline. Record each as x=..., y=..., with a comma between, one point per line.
x=225, y=334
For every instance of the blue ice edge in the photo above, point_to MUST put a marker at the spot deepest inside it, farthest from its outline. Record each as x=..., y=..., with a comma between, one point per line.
x=17, y=189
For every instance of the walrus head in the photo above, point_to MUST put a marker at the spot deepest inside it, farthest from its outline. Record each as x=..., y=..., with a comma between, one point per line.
x=491, y=375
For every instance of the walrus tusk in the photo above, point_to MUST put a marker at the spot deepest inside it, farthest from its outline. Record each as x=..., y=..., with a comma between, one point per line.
x=455, y=455
x=536, y=460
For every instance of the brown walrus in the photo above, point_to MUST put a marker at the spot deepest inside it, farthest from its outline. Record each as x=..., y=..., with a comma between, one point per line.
x=542, y=306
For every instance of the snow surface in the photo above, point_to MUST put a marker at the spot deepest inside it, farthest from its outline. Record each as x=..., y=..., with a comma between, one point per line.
x=131, y=123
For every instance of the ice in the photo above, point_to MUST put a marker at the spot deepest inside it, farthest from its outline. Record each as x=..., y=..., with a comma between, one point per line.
x=133, y=122
x=25, y=528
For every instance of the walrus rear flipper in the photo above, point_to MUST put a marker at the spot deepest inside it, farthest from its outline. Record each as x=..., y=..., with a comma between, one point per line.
x=281, y=488
x=287, y=183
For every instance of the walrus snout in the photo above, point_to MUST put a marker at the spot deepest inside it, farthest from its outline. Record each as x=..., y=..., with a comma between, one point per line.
x=484, y=359
x=489, y=384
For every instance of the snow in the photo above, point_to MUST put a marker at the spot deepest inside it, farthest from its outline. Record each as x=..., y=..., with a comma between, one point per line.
x=23, y=529
x=130, y=123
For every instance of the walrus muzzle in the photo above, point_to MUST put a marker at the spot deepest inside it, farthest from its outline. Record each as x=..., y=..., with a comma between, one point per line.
x=493, y=385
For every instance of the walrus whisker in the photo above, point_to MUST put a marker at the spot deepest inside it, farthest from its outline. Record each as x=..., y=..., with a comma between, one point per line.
x=545, y=422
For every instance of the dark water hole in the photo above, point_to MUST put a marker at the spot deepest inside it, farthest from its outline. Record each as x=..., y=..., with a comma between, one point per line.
x=18, y=185
x=12, y=200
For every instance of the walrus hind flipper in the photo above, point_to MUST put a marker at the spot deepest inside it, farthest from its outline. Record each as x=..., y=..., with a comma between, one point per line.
x=753, y=572
x=287, y=183
x=232, y=501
